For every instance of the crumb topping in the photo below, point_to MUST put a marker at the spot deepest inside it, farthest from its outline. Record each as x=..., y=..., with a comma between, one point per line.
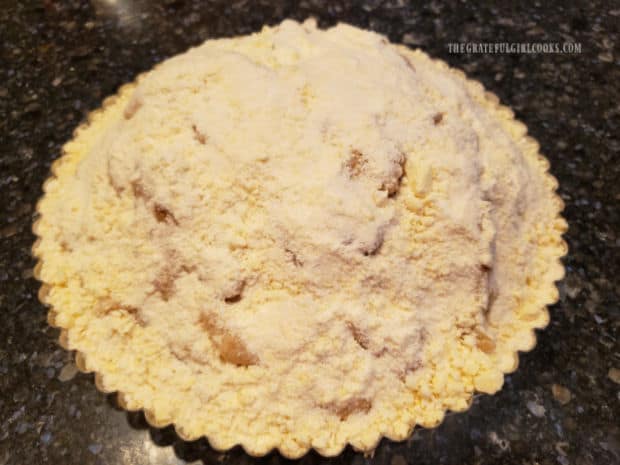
x=300, y=238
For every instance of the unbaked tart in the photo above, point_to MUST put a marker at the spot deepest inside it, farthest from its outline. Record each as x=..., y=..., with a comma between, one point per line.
x=299, y=238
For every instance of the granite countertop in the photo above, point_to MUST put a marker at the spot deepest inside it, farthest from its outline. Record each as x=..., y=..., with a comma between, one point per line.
x=60, y=59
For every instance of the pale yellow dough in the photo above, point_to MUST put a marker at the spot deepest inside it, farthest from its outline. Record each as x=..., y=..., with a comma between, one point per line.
x=300, y=239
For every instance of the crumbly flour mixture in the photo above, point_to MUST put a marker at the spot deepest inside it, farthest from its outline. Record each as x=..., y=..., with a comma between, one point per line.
x=300, y=238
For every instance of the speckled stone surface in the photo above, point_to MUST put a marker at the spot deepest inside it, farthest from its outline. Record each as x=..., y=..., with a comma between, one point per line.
x=59, y=59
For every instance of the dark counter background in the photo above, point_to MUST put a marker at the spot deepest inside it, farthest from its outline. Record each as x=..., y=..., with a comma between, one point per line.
x=59, y=59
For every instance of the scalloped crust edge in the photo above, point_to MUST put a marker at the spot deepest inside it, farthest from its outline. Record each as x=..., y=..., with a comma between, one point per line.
x=541, y=321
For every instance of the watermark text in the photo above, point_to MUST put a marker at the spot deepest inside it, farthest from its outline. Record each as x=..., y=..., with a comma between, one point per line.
x=514, y=47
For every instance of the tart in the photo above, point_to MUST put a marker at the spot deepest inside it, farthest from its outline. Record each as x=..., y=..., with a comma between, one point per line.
x=300, y=238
